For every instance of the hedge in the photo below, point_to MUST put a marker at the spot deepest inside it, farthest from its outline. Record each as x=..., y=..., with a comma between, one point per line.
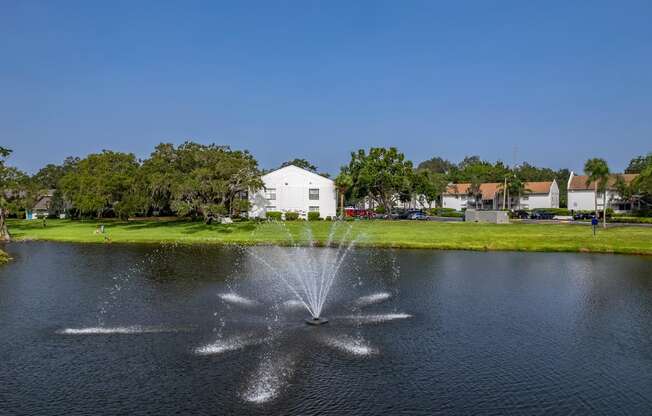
x=291, y=216
x=313, y=216
x=274, y=215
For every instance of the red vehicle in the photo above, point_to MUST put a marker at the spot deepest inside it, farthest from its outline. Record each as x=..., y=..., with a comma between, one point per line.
x=358, y=213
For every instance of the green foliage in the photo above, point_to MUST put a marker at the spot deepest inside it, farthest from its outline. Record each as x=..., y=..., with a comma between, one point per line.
x=4, y=257
x=428, y=186
x=313, y=216
x=437, y=165
x=274, y=215
x=291, y=216
x=300, y=163
x=102, y=182
x=445, y=212
x=193, y=179
x=381, y=175
x=631, y=220
x=639, y=163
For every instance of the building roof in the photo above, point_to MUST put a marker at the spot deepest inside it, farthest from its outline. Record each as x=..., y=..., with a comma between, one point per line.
x=296, y=169
x=43, y=204
x=490, y=189
x=579, y=182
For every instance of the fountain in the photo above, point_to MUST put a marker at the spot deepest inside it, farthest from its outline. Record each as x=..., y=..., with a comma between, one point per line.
x=267, y=306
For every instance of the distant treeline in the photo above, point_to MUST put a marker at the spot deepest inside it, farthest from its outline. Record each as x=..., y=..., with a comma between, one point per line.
x=209, y=181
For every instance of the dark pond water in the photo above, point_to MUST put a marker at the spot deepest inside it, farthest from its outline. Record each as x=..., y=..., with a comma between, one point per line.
x=434, y=333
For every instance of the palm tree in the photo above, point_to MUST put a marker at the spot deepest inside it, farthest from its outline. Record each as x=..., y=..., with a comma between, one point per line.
x=474, y=190
x=343, y=182
x=597, y=172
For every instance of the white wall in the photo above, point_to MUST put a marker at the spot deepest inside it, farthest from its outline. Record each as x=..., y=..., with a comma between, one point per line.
x=457, y=202
x=292, y=185
x=549, y=200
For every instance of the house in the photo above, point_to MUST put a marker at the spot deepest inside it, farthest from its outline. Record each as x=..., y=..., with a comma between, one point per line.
x=293, y=189
x=539, y=195
x=41, y=208
x=581, y=195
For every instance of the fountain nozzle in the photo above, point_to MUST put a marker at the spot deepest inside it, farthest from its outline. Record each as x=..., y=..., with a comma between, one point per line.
x=316, y=321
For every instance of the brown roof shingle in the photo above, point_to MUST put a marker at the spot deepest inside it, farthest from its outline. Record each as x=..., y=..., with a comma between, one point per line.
x=578, y=182
x=490, y=189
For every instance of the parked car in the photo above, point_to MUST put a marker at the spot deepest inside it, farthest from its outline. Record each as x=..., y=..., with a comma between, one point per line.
x=542, y=215
x=405, y=215
x=582, y=215
x=521, y=214
x=418, y=215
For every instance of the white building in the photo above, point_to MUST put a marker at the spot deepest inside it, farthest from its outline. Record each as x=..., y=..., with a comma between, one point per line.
x=292, y=189
x=540, y=195
x=581, y=195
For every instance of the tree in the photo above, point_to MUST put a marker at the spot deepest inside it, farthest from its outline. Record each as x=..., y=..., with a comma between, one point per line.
x=474, y=190
x=639, y=163
x=49, y=176
x=437, y=165
x=383, y=175
x=597, y=171
x=103, y=183
x=4, y=232
x=428, y=186
x=210, y=179
x=16, y=192
x=343, y=182
x=300, y=163
x=642, y=185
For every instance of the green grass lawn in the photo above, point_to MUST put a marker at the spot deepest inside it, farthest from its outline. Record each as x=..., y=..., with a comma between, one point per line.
x=404, y=234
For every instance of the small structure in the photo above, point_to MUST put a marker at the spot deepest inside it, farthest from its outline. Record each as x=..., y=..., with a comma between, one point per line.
x=581, y=196
x=293, y=189
x=493, y=217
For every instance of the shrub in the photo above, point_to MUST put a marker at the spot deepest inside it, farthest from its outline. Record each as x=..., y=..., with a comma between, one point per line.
x=313, y=216
x=329, y=218
x=274, y=215
x=291, y=216
x=445, y=212
x=631, y=220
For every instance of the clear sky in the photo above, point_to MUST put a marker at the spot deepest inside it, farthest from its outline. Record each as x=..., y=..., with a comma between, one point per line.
x=555, y=82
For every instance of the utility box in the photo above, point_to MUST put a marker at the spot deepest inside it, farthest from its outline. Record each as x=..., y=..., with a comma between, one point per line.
x=492, y=217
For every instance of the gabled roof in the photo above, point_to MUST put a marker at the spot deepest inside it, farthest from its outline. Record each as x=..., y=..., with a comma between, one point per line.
x=490, y=189
x=579, y=182
x=292, y=168
x=43, y=204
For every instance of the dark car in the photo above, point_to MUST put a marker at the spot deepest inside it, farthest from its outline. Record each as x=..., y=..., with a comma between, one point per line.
x=542, y=215
x=582, y=215
x=521, y=214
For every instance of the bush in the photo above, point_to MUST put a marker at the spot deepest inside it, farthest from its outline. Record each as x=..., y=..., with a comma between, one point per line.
x=329, y=218
x=445, y=212
x=291, y=216
x=631, y=220
x=313, y=216
x=554, y=211
x=274, y=215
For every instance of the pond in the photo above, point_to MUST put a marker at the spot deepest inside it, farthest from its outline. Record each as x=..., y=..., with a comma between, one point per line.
x=150, y=329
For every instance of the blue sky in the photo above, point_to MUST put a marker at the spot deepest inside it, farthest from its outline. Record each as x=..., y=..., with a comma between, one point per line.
x=553, y=82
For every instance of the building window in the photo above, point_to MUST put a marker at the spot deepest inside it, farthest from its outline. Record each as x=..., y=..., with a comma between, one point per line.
x=313, y=208
x=270, y=207
x=313, y=194
x=270, y=194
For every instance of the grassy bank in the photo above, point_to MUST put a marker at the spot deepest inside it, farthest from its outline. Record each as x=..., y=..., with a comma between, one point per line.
x=398, y=234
